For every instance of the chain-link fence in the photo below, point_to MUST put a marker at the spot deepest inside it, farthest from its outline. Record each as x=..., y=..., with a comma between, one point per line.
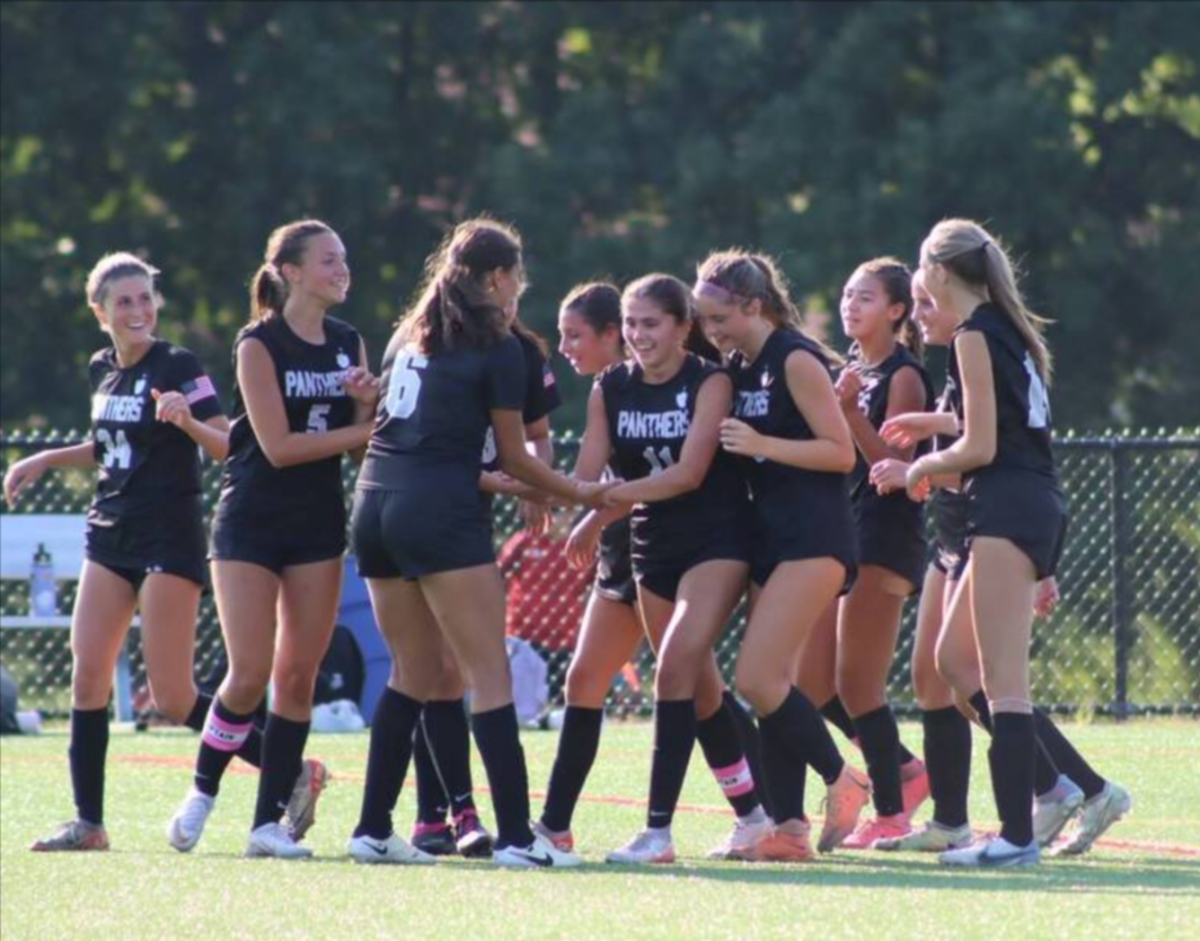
x=1125, y=637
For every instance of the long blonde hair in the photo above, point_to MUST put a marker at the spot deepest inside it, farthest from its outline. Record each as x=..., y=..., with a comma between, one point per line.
x=979, y=259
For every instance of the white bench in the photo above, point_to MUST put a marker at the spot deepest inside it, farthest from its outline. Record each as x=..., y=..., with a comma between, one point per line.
x=63, y=536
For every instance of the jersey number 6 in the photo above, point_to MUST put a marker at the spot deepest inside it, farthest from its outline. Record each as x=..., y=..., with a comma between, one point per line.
x=404, y=386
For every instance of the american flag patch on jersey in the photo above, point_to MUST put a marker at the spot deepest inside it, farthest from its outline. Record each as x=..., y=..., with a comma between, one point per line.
x=196, y=389
x=547, y=377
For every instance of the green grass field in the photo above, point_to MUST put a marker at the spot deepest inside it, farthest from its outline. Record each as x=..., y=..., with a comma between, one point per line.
x=1141, y=883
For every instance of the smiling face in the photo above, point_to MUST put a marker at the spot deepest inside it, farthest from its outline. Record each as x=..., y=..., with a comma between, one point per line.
x=654, y=336
x=322, y=273
x=588, y=352
x=128, y=310
x=728, y=326
x=867, y=310
x=937, y=328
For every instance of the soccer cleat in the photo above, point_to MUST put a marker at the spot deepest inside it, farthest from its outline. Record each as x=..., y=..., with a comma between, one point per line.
x=650, y=847
x=274, y=840
x=472, y=839
x=436, y=839
x=540, y=854
x=392, y=851
x=914, y=785
x=560, y=839
x=72, y=837
x=844, y=800
x=187, y=826
x=932, y=838
x=994, y=853
x=1053, y=811
x=894, y=827
x=742, y=839
x=1099, y=813
x=301, y=811
x=782, y=846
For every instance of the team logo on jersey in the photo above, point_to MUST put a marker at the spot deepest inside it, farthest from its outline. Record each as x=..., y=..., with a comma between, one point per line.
x=767, y=379
x=140, y=386
x=681, y=399
x=343, y=360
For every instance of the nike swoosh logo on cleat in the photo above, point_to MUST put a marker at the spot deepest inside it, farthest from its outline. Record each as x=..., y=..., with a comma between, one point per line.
x=380, y=850
x=538, y=859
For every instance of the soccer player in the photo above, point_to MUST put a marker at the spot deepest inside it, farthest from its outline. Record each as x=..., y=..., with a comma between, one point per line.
x=152, y=404
x=304, y=398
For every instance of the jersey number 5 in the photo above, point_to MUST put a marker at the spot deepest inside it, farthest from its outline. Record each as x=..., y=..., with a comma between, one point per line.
x=117, y=452
x=404, y=385
x=318, y=419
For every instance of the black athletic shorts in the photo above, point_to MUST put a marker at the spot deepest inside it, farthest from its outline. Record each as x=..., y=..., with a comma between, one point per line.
x=948, y=551
x=410, y=533
x=892, y=538
x=662, y=577
x=313, y=534
x=614, y=569
x=171, y=543
x=1025, y=509
x=788, y=537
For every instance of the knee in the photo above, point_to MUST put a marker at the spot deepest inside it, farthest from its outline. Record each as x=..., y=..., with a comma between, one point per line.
x=674, y=680
x=174, y=700
x=294, y=683
x=928, y=685
x=90, y=687
x=950, y=669
x=763, y=690
x=585, y=684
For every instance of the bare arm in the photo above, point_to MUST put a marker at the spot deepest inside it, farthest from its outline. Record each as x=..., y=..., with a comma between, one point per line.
x=364, y=389
x=27, y=470
x=907, y=394
x=264, y=406
x=831, y=450
x=517, y=462
x=977, y=446
x=713, y=403
x=595, y=451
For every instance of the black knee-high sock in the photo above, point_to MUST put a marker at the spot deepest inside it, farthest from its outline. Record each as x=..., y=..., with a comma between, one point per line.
x=282, y=755
x=449, y=739
x=1065, y=756
x=812, y=737
x=722, y=746
x=1045, y=770
x=87, y=753
x=504, y=760
x=948, y=760
x=674, y=739
x=835, y=712
x=1012, y=756
x=880, y=740
x=224, y=733
x=752, y=745
x=396, y=716
x=250, y=750
x=784, y=760
x=577, y=747
x=433, y=803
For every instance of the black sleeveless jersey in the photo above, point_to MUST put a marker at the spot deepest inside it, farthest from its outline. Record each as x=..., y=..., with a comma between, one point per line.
x=647, y=426
x=310, y=381
x=1022, y=405
x=541, y=397
x=763, y=401
x=873, y=402
x=435, y=411
x=146, y=467
x=949, y=507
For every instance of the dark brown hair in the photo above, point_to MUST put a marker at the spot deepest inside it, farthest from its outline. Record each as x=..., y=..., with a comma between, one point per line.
x=599, y=304
x=674, y=298
x=111, y=267
x=896, y=278
x=269, y=288
x=453, y=308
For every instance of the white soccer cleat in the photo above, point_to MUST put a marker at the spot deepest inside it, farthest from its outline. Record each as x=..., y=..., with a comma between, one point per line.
x=187, y=826
x=994, y=853
x=540, y=854
x=1054, y=811
x=650, y=847
x=1099, y=813
x=274, y=840
x=742, y=839
x=931, y=838
x=393, y=851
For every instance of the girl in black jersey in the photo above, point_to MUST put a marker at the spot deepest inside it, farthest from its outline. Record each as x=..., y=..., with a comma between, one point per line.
x=304, y=399
x=1000, y=368
x=654, y=420
x=846, y=660
x=945, y=649
x=423, y=536
x=152, y=404
x=796, y=451
x=442, y=746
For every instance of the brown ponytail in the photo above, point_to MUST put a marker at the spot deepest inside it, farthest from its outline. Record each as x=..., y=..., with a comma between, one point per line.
x=268, y=287
x=896, y=278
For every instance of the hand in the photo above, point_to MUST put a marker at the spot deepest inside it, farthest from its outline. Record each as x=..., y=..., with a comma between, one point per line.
x=739, y=438
x=889, y=475
x=848, y=386
x=582, y=543
x=917, y=483
x=1045, y=597
x=172, y=407
x=536, y=517
x=361, y=386
x=595, y=495
x=21, y=475
x=905, y=430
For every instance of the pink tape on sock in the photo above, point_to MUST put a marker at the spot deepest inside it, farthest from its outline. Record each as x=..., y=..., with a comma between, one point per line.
x=736, y=779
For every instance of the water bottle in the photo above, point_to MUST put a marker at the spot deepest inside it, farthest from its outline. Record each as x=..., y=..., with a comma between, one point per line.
x=43, y=597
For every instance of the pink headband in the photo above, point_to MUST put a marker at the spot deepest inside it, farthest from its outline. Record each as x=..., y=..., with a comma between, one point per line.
x=717, y=293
